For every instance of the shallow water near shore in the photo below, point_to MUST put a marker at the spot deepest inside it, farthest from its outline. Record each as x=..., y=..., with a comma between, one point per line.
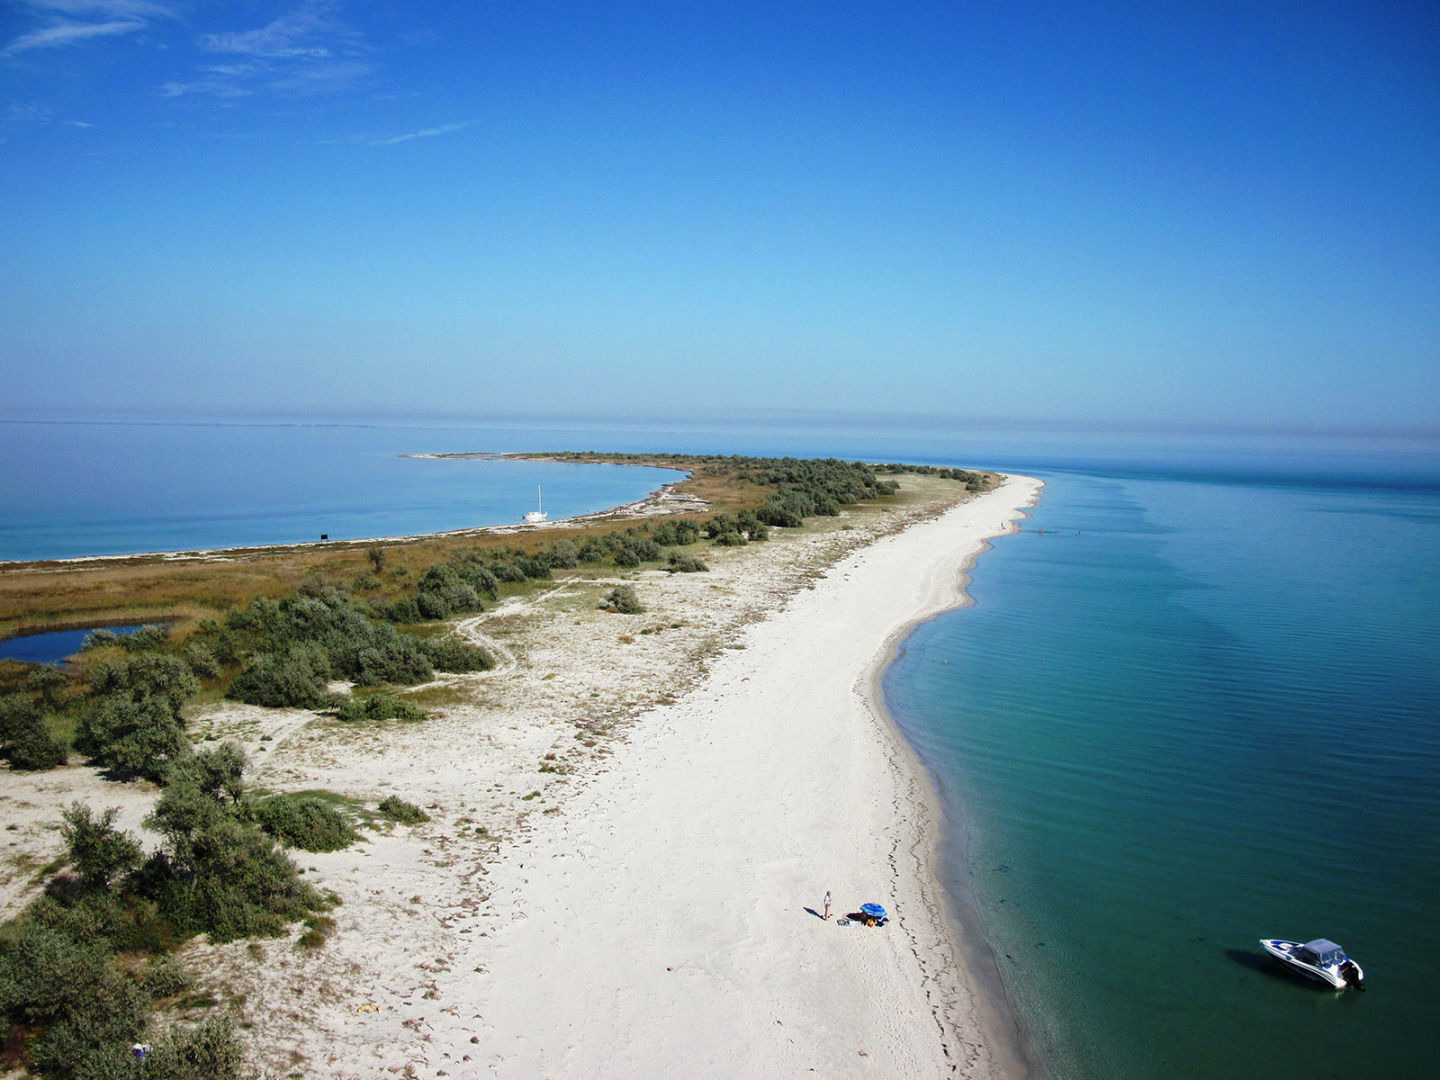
x=1182, y=715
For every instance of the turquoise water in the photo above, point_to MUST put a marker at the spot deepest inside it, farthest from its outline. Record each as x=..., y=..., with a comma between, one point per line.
x=1188, y=714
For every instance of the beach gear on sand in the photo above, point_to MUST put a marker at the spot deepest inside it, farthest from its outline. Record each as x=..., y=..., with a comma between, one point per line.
x=874, y=914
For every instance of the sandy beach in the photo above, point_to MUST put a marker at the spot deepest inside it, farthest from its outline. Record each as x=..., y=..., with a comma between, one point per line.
x=635, y=822
x=668, y=924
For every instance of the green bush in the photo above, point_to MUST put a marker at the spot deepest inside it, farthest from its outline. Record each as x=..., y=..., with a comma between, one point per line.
x=454, y=655
x=676, y=533
x=685, y=564
x=209, y=1051
x=49, y=684
x=561, y=556
x=133, y=724
x=219, y=874
x=98, y=851
x=150, y=636
x=397, y=809
x=296, y=679
x=593, y=550
x=623, y=599
x=443, y=593
x=380, y=707
x=318, y=633
x=304, y=822
x=202, y=660
x=84, y=1013
x=24, y=738
x=164, y=977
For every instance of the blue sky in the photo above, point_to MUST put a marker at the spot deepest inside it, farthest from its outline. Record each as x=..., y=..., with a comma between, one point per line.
x=1105, y=213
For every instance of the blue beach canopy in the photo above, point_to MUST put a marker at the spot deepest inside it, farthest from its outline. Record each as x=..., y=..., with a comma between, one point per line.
x=875, y=911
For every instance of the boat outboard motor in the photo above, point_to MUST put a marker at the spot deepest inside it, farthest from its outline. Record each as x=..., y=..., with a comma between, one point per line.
x=1352, y=975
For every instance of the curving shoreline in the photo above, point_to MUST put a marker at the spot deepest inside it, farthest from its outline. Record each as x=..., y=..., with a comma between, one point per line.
x=952, y=921
x=668, y=916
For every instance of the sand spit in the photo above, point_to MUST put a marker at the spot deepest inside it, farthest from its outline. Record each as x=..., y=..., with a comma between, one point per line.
x=631, y=817
x=662, y=502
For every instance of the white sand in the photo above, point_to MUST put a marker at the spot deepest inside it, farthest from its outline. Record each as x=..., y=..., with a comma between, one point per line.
x=660, y=927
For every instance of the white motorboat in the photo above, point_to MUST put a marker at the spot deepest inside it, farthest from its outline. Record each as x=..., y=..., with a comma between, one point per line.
x=1320, y=959
x=538, y=514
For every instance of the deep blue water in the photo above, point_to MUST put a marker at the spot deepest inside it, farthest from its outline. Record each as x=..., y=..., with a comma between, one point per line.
x=1190, y=713
x=53, y=646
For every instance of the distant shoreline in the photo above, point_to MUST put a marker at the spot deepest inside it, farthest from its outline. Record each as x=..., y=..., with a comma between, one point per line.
x=663, y=501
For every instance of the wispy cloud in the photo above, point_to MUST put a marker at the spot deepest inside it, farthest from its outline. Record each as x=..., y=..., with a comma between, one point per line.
x=134, y=9
x=71, y=22
x=71, y=33
x=292, y=34
x=425, y=133
x=16, y=113
x=305, y=51
x=391, y=140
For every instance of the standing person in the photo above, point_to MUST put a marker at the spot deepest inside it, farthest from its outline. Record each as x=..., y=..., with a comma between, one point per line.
x=827, y=905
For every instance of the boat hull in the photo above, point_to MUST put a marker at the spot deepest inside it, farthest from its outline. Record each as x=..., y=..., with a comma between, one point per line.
x=1333, y=975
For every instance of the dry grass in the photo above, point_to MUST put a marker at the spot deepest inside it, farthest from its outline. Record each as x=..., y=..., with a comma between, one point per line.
x=181, y=589
x=151, y=588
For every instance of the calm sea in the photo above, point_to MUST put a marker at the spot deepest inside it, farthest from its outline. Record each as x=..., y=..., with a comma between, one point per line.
x=77, y=489
x=1195, y=702
x=1186, y=712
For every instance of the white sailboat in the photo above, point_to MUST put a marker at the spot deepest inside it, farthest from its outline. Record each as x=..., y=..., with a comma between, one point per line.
x=537, y=515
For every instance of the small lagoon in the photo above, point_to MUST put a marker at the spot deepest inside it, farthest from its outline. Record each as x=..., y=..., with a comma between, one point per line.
x=53, y=647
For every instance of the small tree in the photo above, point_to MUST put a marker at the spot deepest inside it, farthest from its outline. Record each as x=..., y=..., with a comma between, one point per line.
x=134, y=723
x=98, y=851
x=377, y=557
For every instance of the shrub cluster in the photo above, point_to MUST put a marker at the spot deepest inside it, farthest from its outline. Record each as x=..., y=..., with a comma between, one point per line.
x=219, y=873
x=676, y=533
x=626, y=549
x=452, y=654
x=732, y=530
x=406, y=813
x=681, y=563
x=379, y=707
x=315, y=634
x=66, y=1006
x=25, y=740
x=623, y=599
x=303, y=821
x=133, y=723
x=149, y=636
x=973, y=481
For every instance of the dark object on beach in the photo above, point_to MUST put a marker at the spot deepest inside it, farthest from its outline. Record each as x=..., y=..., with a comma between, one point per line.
x=324, y=536
x=872, y=915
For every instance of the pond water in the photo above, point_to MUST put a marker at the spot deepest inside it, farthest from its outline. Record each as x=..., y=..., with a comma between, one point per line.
x=54, y=646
